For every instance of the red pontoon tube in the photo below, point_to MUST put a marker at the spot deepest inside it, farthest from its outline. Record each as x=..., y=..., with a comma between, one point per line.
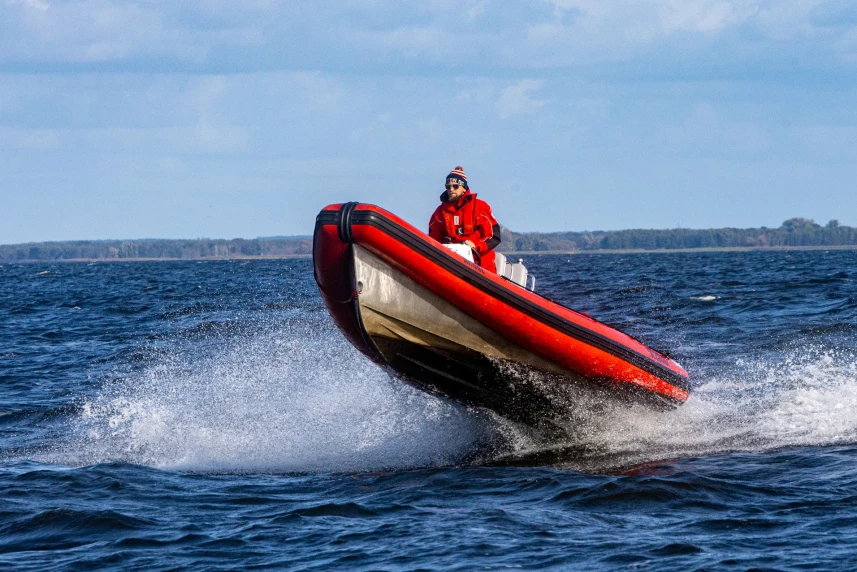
x=446, y=325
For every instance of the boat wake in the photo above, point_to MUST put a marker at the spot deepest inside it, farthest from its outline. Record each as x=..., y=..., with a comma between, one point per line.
x=299, y=399
x=805, y=399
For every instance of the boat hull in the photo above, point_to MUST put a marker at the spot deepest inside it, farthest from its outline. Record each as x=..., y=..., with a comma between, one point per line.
x=447, y=326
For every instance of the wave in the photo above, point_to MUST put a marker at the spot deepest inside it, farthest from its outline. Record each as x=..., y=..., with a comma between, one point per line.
x=804, y=398
x=294, y=400
x=297, y=398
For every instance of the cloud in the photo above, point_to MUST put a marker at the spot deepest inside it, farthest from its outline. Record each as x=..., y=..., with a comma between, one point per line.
x=478, y=37
x=410, y=41
x=39, y=5
x=86, y=31
x=515, y=98
x=636, y=97
x=646, y=20
x=834, y=13
x=735, y=34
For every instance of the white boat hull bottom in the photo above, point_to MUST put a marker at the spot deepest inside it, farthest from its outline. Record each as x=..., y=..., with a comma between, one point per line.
x=434, y=345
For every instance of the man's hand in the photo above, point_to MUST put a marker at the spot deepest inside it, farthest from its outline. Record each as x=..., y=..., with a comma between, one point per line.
x=470, y=244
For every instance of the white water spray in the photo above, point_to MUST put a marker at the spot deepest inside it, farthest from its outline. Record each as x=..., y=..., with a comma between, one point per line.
x=290, y=401
x=806, y=399
x=300, y=399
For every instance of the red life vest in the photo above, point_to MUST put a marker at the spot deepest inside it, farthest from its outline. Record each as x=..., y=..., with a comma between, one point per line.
x=460, y=223
x=468, y=218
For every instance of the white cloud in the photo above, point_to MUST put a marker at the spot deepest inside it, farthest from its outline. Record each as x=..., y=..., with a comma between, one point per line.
x=700, y=16
x=378, y=36
x=515, y=98
x=468, y=9
x=108, y=30
x=661, y=17
x=410, y=41
x=593, y=31
x=39, y=5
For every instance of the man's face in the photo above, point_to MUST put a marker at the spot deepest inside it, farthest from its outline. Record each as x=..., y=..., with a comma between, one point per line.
x=454, y=190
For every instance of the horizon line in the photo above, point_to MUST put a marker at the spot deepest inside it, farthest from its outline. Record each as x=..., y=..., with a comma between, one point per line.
x=309, y=236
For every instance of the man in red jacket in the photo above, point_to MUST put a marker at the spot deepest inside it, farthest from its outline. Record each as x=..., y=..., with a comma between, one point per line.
x=462, y=218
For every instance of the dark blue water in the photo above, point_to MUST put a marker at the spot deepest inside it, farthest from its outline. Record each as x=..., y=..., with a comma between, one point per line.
x=209, y=416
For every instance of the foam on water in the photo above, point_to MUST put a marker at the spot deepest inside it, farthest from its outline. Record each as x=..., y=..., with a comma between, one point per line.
x=300, y=399
x=806, y=399
x=286, y=401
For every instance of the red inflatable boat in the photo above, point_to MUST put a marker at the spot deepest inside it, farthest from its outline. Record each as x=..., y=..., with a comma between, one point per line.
x=447, y=325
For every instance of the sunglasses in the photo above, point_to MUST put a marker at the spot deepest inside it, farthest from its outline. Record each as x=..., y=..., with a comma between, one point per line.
x=453, y=187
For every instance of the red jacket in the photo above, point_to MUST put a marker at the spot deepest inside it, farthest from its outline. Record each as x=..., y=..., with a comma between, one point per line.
x=470, y=219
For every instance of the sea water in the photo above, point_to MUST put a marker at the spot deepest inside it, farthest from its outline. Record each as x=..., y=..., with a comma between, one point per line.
x=209, y=416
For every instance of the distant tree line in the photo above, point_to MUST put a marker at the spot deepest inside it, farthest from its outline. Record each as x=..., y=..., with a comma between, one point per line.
x=156, y=248
x=793, y=232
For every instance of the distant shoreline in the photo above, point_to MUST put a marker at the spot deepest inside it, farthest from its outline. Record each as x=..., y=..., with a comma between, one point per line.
x=794, y=234
x=680, y=250
x=511, y=254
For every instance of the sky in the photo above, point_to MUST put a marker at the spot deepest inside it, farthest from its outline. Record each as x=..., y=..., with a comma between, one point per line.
x=224, y=119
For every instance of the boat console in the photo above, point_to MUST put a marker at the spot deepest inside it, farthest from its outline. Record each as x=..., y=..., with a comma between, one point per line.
x=514, y=272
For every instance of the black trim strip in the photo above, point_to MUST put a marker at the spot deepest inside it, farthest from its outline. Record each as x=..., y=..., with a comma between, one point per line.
x=475, y=278
x=327, y=217
x=344, y=222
